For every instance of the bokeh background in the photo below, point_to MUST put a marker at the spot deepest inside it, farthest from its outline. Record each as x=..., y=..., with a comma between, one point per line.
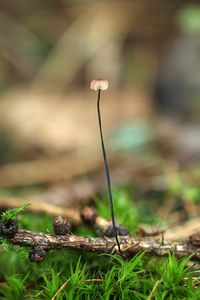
x=50, y=149
x=149, y=51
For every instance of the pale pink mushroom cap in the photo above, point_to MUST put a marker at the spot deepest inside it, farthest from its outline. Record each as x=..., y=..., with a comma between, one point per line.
x=99, y=84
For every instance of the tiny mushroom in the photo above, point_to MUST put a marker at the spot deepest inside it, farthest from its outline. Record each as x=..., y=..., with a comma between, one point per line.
x=102, y=85
x=99, y=84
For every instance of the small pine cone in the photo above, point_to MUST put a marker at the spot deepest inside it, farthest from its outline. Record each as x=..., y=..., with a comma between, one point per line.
x=88, y=215
x=9, y=228
x=120, y=231
x=37, y=254
x=195, y=239
x=61, y=226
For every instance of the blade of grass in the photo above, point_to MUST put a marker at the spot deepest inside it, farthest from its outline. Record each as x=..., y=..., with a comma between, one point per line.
x=154, y=289
x=61, y=288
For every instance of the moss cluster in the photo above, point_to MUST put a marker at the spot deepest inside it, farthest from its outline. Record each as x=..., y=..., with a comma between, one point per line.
x=92, y=276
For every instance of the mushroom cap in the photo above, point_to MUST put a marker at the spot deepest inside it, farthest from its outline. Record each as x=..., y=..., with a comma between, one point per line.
x=99, y=84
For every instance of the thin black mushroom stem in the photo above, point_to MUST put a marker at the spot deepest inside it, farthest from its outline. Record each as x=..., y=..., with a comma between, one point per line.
x=99, y=85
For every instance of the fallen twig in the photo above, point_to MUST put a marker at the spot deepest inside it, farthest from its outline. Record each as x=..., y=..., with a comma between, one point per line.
x=129, y=245
x=41, y=243
x=88, y=215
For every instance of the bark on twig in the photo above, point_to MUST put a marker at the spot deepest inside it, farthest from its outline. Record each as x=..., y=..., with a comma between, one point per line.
x=129, y=245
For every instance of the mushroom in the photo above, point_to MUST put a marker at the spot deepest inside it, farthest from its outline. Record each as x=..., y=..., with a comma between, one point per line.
x=102, y=85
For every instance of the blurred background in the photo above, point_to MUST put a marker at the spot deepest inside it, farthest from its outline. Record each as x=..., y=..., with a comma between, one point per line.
x=149, y=51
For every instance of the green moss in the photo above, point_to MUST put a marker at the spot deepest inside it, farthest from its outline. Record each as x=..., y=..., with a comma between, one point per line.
x=93, y=276
x=11, y=214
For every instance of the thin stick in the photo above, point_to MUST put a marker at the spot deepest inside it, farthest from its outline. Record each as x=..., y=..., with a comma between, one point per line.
x=61, y=288
x=130, y=245
x=68, y=280
x=154, y=289
x=107, y=170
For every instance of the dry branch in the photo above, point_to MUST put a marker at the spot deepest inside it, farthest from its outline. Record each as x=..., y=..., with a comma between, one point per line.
x=129, y=245
x=41, y=207
x=86, y=216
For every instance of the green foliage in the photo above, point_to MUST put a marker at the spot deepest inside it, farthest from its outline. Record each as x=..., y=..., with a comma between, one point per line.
x=40, y=222
x=98, y=277
x=14, y=287
x=11, y=214
x=92, y=276
x=177, y=280
x=192, y=193
x=178, y=188
x=126, y=212
x=189, y=18
x=5, y=244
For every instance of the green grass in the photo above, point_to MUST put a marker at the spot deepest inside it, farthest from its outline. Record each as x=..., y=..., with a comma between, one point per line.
x=93, y=276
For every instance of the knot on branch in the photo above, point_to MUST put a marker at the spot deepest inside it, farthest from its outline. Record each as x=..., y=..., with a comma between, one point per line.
x=9, y=228
x=120, y=230
x=61, y=226
x=88, y=215
x=37, y=254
